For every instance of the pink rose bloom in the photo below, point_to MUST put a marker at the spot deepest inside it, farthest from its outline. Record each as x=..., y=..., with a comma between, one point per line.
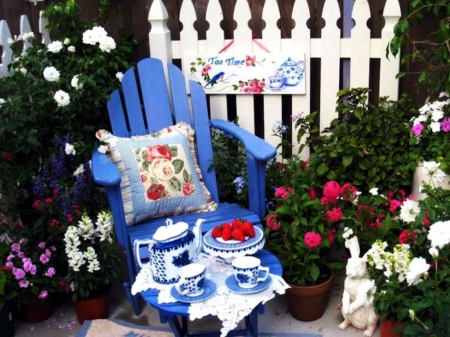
x=334, y=215
x=445, y=124
x=158, y=151
x=50, y=272
x=15, y=247
x=262, y=84
x=43, y=294
x=312, y=240
x=48, y=252
x=417, y=129
x=395, y=204
x=44, y=258
x=312, y=193
x=33, y=270
x=348, y=191
x=282, y=192
x=188, y=188
x=205, y=70
x=18, y=274
x=272, y=222
x=332, y=190
x=241, y=84
x=41, y=245
x=23, y=283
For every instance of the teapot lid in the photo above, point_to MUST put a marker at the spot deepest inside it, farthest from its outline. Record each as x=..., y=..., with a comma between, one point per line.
x=170, y=230
x=289, y=62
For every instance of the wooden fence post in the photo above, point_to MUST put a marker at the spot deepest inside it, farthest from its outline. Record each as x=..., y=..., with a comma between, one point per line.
x=159, y=36
x=7, y=52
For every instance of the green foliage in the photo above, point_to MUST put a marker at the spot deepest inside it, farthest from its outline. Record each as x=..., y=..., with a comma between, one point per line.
x=367, y=145
x=432, y=51
x=7, y=292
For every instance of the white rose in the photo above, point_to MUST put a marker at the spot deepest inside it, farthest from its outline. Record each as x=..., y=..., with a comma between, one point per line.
x=70, y=149
x=71, y=49
x=409, y=210
x=88, y=37
x=119, y=76
x=417, y=268
x=55, y=47
x=66, y=41
x=62, y=98
x=107, y=44
x=74, y=83
x=51, y=74
x=163, y=169
x=439, y=235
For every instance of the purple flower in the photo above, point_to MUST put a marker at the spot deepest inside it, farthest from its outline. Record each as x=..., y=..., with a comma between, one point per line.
x=41, y=245
x=445, y=124
x=44, y=258
x=19, y=274
x=417, y=129
x=9, y=264
x=15, y=247
x=20, y=255
x=27, y=264
x=48, y=252
x=50, y=272
x=23, y=241
x=72, y=286
x=53, y=248
x=43, y=294
x=24, y=283
x=10, y=257
x=33, y=269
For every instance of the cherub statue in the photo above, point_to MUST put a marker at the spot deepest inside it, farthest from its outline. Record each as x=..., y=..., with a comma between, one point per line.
x=357, y=299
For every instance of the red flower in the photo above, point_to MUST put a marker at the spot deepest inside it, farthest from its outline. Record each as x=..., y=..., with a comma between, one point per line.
x=332, y=190
x=282, y=192
x=406, y=237
x=48, y=200
x=188, y=188
x=426, y=220
x=156, y=191
x=7, y=156
x=272, y=222
x=348, y=192
x=158, y=151
x=395, y=204
x=330, y=235
x=312, y=193
x=36, y=204
x=334, y=215
x=304, y=164
x=312, y=240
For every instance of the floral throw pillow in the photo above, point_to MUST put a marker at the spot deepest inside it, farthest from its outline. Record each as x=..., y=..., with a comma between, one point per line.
x=160, y=175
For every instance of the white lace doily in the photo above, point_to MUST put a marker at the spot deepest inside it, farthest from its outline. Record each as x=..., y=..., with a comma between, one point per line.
x=228, y=306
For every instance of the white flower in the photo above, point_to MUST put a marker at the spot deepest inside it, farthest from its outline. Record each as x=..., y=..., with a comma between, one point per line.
x=55, y=47
x=374, y=191
x=347, y=233
x=2, y=101
x=62, y=98
x=71, y=49
x=88, y=37
x=107, y=44
x=424, y=109
x=417, y=268
x=99, y=32
x=76, y=259
x=15, y=39
x=93, y=266
x=103, y=148
x=432, y=170
x=51, y=74
x=119, y=76
x=443, y=94
x=66, y=41
x=434, y=252
x=71, y=239
x=412, y=314
x=437, y=114
x=104, y=225
x=420, y=119
x=435, y=126
x=439, y=234
x=70, y=149
x=86, y=227
x=409, y=210
x=23, y=70
x=102, y=134
x=74, y=83
x=79, y=170
x=27, y=36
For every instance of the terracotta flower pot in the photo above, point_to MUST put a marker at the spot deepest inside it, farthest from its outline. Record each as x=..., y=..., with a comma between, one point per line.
x=308, y=303
x=35, y=310
x=387, y=328
x=93, y=308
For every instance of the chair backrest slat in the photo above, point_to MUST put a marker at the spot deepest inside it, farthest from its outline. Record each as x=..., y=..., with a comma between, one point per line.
x=133, y=103
x=117, y=116
x=178, y=88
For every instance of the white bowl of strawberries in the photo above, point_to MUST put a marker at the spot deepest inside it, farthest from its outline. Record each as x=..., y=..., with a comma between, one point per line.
x=238, y=238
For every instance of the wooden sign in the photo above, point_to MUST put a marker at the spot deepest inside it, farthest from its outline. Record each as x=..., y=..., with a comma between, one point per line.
x=247, y=74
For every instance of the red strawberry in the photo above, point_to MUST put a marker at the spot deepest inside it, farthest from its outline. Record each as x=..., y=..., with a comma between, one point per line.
x=248, y=229
x=226, y=234
x=216, y=232
x=225, y=225
x=238, y=234
x=236, y=223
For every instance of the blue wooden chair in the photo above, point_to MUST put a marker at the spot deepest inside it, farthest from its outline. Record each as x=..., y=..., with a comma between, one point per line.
x=147, y=108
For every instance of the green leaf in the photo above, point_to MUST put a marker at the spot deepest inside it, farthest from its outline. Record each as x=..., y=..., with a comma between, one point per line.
x=347, y=160
x=315, y=272
x=322, y=169
x=178, y=165
x=174, y=150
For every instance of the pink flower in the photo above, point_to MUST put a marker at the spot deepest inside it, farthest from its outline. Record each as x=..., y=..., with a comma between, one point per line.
x=23, y=283
x=53, y=248
x=20, y=255
x=395, y=204
x=445, y=124
x=41, y=245
x=406, y=237
x=72, y=286
x=44, y=258
x=10, y=257
x=50, y=272
x=334, y=215
x=312, y=193
x=9, y=264
x=48, y=252
x=241, y=84
x=18, y=274
x=348, y=191
x=282, y=192
x=15, y=247
x=188, y=188
x=332, y=190
x=33, y=269
x=23, y=241
x=27, y=264
x=43, y=294
x=417, y=129
x=312, y=240
x=272, y=222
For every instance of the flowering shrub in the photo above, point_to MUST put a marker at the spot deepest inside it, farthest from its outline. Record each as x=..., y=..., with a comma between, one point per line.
x=7, y=292
x=412, y=276
x=430, y=132
x=93, y=258
x=34, y=270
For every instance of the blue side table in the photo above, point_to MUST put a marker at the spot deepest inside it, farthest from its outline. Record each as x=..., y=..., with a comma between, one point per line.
x=169, y=312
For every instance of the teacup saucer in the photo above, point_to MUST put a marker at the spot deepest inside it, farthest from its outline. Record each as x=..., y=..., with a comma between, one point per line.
x=233, y=285
x=210, y=289
x=275, y=88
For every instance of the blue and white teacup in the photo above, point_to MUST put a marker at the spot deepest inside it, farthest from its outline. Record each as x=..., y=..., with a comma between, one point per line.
x=192, y=280
x=246, y=271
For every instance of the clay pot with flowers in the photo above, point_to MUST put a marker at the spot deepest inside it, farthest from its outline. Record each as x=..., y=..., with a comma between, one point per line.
x=300, y=232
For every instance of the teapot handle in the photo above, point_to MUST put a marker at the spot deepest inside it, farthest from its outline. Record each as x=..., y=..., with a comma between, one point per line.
x=137, y=244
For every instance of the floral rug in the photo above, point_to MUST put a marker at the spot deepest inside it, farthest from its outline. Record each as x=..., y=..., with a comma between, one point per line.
x=118, y=328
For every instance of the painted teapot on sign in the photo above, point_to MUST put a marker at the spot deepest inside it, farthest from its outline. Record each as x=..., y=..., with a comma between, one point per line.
x=292, y=71
x=173, y=246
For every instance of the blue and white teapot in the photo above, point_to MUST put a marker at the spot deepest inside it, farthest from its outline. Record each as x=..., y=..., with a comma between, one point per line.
x=292, y=71
x=172, y=247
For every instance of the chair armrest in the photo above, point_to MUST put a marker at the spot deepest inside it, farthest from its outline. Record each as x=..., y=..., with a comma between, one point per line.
x=104, y=172
x=257, y=147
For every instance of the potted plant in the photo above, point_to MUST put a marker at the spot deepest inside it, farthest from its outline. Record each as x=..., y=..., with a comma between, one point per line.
x=94, y=263
x=7, y=293
x=412, y=276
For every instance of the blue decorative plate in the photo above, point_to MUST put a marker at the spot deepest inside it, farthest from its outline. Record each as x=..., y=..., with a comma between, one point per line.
x=232, y=284
x=210, y=289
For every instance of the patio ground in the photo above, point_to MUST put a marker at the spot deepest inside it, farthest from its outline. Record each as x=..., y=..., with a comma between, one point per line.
x=275, y=319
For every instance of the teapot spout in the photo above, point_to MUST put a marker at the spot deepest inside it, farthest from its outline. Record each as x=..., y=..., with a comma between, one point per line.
x=198, y=236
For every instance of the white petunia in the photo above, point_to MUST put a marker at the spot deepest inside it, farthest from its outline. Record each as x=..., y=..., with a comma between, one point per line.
x=119, y=76
x=374, y=191
x=435, y=126
x=51, y=74
x=70, y=149
x=107, y=44
x=71, y=49
x=437, y=115
x=409, y=210
x=433, y=171
x=2, y=101
x=417, y=268
x=23, y=70
x=62, y=98
x=79, y=170
x=103, y=148
x=74, y=82
x=55, y=47
x=66, y=41
x=424, y=109
x=439, y=234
